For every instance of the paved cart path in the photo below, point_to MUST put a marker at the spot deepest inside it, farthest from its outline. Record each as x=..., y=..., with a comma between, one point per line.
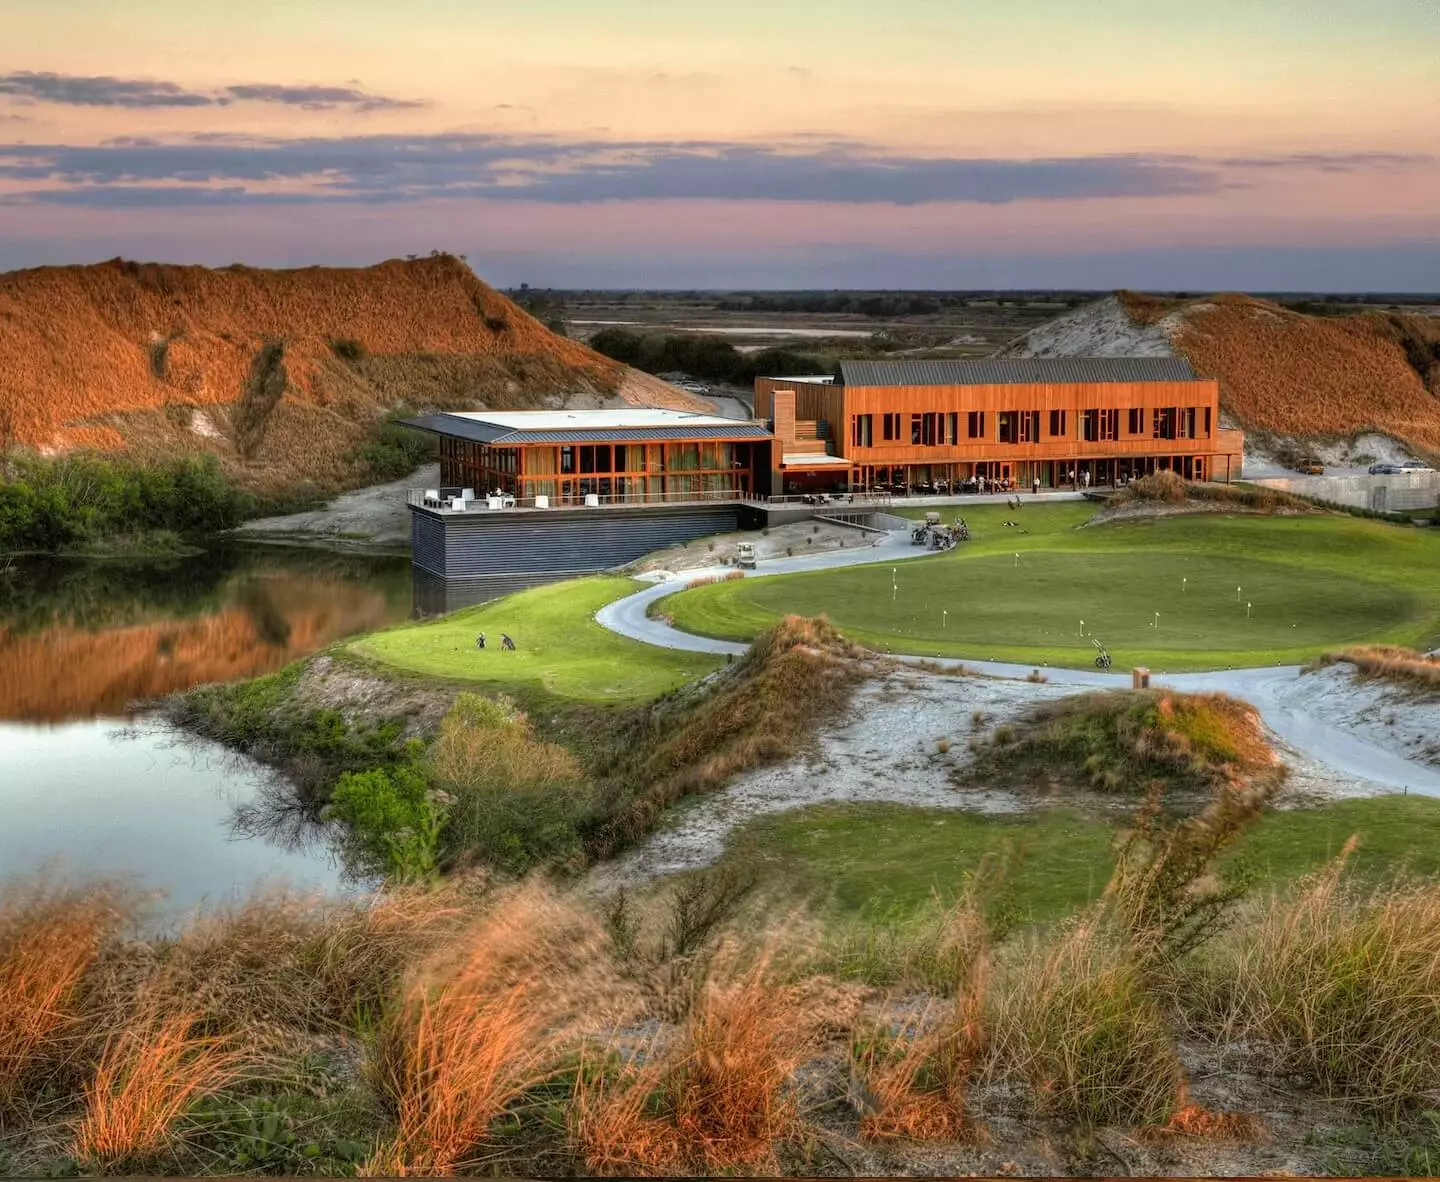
x=1268, y=689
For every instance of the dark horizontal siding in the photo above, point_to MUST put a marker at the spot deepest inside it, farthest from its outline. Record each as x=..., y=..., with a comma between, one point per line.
x=427, y=543
x=474, y=546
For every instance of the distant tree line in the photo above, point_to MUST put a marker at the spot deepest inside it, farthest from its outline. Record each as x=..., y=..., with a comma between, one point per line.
x=709, y=358
x=64, y=503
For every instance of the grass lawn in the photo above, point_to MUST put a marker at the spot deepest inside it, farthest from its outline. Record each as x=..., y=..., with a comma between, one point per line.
x=559, y=646
x=1311, y=583
x=868, y=861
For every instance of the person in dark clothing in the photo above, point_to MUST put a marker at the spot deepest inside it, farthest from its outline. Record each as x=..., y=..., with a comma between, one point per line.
x=506, y=642
x=480, y=641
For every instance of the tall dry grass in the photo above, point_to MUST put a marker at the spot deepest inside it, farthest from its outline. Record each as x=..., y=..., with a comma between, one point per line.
x=50, y=942
x=150, y=1073
x=289, y=963
x=1167, y=488
x=1392, y=663
x=484, y=1021
x=716, y=1095
x=1077, y=1018
x=1341, y=982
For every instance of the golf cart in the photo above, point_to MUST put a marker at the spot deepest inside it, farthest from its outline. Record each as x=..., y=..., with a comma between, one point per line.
x=745, y=555
x=920, y=535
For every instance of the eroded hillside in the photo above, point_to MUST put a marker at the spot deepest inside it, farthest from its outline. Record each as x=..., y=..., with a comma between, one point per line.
x=1281, y=371
x=281, y=373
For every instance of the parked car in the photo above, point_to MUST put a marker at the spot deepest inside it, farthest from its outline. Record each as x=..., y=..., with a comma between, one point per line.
x=1415, y=466
x=1310, y=466
x=1384, y=469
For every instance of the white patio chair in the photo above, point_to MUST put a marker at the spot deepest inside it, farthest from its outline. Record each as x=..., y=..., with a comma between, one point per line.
x=432, y=496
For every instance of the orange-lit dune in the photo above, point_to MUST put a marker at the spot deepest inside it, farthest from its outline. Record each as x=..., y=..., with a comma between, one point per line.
x=160, y=357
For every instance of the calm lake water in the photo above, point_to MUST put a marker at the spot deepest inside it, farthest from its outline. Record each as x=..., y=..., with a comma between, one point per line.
x=91, y=786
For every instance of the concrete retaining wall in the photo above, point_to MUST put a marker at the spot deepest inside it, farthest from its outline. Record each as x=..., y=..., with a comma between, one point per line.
x=1384, y=494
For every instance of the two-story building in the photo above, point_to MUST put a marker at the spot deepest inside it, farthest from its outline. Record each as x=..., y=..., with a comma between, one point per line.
x=935, y=425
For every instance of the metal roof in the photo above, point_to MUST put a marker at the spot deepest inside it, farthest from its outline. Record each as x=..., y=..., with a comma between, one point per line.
x=479, y=431
x=1017, y=371
x=591, y=420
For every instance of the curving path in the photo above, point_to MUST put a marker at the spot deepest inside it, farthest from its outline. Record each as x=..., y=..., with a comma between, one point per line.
x=1265, y=688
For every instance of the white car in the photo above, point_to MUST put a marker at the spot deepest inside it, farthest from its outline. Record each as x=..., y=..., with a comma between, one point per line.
x=1415, y=466
x=694, y=388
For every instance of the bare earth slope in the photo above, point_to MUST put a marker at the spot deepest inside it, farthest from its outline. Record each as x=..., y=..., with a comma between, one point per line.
x=278, y=372
x=1281, y=372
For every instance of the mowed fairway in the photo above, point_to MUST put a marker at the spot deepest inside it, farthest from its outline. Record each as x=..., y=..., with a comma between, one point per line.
x=559, y=647
x=1183, y=592
x=873, y=860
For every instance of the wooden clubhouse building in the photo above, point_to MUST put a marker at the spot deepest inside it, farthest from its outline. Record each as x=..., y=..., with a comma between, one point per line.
x=551, y=493
x=939, y=426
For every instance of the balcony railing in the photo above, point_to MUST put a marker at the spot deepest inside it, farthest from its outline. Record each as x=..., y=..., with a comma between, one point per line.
x=458, y=500
x=455, y=500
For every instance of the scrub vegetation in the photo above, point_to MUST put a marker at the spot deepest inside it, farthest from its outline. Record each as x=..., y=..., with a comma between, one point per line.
x=1390, y=663
x=84, y=502
x=428, y=777
x=472, y=1027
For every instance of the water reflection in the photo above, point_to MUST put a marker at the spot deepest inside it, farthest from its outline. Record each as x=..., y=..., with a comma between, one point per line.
x=435, y=596
x=92, y=786
x=86, y=639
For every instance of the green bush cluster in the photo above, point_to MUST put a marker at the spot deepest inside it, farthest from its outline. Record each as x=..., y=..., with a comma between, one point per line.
x=61, y=504
x=393, y=451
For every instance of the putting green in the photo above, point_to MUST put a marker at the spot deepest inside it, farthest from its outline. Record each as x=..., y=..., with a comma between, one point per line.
x=1228, y=590
x=560, y=647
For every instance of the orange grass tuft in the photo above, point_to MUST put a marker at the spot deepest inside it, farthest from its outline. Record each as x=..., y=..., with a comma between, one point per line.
x=1388, y=662
x=713, y=1099
x=150, y=1073
x=472, y=1034
x=49, y=940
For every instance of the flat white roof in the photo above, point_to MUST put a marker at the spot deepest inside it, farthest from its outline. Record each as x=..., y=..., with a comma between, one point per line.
x=815, y=461
x=594, y=420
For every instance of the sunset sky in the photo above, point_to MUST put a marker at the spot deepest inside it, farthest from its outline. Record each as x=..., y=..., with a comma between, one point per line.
x=1260, y=144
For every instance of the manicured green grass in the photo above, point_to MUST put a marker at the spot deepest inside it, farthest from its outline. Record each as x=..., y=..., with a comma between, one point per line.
x=1310, y=583
x=866, y=861
x=559, y=646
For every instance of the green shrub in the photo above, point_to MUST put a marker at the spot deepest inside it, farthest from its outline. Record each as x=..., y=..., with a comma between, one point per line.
x=393, y=820
x=393, y=451
x=57, y=504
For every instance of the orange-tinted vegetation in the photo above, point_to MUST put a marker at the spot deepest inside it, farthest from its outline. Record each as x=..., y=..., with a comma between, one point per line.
x=67, y=672
x=1295, y=374
x=279, y=372
x=1388, y=662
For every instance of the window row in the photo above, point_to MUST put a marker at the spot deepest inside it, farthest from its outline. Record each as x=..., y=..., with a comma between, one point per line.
x=943, y=428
